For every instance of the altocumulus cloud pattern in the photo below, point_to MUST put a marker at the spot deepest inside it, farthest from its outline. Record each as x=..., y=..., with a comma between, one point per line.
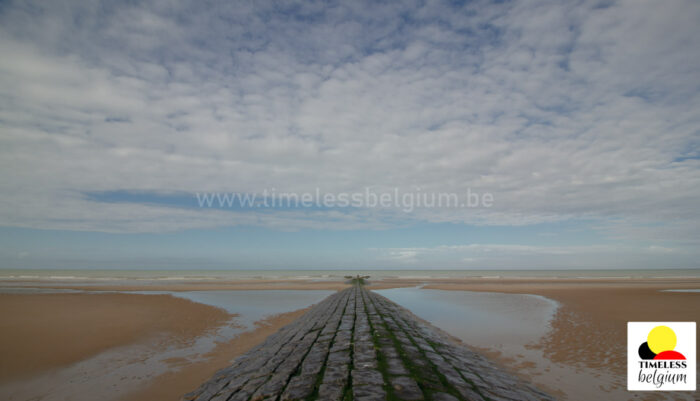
x=578, y=113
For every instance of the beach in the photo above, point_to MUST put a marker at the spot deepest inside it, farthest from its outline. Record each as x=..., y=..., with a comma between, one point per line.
x=173, y=384
x=49, y=339
x=45, y=331
x=580, y=350
x=588, y=333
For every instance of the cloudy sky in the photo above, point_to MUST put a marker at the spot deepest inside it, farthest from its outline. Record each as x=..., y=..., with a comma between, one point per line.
x=581, y=119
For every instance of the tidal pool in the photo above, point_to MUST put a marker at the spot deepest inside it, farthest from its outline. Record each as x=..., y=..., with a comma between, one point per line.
x=129, y=367
x=254, y=305
x=480, y=319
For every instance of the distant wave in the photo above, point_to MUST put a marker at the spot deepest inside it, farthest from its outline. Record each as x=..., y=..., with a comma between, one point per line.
x=325, y=275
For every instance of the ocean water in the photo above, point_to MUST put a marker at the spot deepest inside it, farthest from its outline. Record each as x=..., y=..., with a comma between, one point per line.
x=117, y=276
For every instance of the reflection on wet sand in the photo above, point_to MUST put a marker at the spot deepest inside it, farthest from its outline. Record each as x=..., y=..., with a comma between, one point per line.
x=574, y=347
x=146, y=345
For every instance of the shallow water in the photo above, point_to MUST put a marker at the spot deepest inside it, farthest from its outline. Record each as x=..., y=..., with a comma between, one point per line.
x=481, y=319
x=250, y=305
x=254, y=305
x=125, y=368
x=505, y=326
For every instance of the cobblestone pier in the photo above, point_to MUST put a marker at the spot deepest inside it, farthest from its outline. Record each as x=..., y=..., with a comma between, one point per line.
x=358, y=345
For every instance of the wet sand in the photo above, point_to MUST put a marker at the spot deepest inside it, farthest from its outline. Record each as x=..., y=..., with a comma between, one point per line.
x=44, y=339
x=40, y=332
x=592, y=317
x=593, y=314
x=589, y=331
x=187, y=376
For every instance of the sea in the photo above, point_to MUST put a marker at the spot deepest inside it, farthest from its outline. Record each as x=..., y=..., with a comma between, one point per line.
x=131, y=275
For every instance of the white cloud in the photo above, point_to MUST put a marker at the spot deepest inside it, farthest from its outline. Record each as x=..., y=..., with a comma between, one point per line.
x=562, y=111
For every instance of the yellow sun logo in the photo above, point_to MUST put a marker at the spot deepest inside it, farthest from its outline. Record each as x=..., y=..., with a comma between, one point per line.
x=660, y=345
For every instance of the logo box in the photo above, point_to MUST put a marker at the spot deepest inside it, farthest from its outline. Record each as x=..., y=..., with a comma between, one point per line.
x=661, y=356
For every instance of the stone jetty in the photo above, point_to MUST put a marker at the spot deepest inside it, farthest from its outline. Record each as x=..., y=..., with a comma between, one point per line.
x=358, y=345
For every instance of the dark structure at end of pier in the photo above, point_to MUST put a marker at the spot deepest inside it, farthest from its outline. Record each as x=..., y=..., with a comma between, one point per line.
x=358, y=345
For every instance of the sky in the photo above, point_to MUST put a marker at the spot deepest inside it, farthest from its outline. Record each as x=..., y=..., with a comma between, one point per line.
x=578, y=120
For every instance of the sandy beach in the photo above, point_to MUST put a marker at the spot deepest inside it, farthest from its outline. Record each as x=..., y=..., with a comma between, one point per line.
x=40, y=332
x=187, y=376
x=589, y=328
x=592, y=315
x=44, y=336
